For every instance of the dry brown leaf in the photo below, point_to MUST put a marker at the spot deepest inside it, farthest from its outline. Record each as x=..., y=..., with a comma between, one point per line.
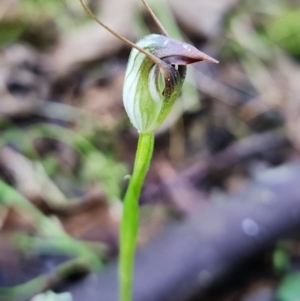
x=23, y=86
x=30, y=179
x=92, y=42
x=291, y=107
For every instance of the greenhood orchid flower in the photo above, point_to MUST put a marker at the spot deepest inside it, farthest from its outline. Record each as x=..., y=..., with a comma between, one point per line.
x=150, y=89
x=154, y=77
x=155, y=74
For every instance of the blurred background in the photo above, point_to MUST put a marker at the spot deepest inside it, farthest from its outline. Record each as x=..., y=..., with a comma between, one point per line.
x=66, y=144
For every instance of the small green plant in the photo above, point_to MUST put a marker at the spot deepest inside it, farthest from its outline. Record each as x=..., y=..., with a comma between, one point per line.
x=154, y=77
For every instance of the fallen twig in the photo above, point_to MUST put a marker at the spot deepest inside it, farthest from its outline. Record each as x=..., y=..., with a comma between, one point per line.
x=190, y=256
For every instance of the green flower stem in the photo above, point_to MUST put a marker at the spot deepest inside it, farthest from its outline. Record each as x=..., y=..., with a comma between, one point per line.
x=130, y=219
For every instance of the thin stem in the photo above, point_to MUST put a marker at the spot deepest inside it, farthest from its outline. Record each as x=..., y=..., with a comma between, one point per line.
x=152, y=57
x=162, y=29
x=130, y=219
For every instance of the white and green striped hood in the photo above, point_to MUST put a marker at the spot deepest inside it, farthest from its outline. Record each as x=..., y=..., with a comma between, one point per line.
x=150, y=90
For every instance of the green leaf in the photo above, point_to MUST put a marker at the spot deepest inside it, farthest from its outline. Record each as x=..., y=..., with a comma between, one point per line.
x=281, y=260
x=289, y=288
x=284, y=31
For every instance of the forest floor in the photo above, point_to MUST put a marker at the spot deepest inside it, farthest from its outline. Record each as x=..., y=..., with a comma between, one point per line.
x=66, y=144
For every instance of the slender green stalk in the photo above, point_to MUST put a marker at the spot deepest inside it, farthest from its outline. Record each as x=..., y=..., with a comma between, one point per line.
x=130, y=219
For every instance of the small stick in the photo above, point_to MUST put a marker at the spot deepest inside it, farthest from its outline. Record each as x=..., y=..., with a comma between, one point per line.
x=126, y=41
